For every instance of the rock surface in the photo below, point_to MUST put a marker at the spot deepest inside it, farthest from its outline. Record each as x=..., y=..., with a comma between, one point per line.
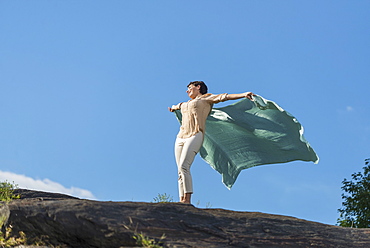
x=66, y=221
x=4, y=214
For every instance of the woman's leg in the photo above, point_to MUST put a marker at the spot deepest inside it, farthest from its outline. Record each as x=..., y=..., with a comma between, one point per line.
x=179, y=144
x=185, y=151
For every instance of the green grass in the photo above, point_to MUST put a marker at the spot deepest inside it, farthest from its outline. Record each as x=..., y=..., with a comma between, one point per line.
x=163, y=198
x=145, y=241
x=142, y=240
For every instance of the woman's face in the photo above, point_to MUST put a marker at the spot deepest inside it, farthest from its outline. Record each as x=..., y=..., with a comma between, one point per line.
x=193, y=91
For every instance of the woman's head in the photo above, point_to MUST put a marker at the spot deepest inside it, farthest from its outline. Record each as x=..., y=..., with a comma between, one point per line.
x=203, y=87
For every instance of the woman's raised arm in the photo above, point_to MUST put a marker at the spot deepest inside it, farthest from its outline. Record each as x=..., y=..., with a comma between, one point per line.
x=241, y=95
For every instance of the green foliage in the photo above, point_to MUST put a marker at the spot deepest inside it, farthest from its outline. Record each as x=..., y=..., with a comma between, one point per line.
x=144, y=241
x=163, y=198
x=141, y=239
x=7, y=191
x=356, y=200
x=7, y=240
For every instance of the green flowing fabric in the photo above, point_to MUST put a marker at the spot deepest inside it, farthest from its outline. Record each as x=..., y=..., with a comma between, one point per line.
x=250, y=133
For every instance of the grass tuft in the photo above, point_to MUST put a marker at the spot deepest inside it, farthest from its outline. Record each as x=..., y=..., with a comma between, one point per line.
x=163, y=198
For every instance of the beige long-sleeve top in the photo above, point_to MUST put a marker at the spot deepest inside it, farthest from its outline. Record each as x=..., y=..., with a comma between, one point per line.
x=194, y=113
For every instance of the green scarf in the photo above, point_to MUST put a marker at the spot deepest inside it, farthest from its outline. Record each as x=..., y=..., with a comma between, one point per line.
x=250, y=133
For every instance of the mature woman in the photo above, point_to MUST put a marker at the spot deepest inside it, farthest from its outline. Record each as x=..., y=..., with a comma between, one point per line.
x=190, y=137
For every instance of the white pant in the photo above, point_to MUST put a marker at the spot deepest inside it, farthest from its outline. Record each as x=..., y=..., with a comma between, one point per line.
x=185, y=151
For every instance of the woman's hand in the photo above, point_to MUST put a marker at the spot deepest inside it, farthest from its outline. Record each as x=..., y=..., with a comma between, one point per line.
x=249, y=95
x=170, y=109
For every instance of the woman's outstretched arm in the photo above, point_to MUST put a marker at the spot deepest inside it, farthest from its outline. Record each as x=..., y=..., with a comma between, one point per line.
x=175, y=107
x=241, y=95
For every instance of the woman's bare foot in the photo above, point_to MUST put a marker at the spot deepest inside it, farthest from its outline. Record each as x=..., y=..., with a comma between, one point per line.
x=186, y=199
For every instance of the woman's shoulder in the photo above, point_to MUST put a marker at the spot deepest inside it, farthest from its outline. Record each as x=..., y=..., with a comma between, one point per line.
x=215, y=98
x=207, y=95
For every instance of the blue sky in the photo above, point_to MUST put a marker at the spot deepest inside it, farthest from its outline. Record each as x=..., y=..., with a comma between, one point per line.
x=85, y=86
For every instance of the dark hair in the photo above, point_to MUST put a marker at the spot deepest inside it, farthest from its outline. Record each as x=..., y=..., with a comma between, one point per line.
x=203, y=87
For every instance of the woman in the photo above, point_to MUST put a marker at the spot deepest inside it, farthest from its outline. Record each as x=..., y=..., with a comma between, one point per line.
x=190, y=137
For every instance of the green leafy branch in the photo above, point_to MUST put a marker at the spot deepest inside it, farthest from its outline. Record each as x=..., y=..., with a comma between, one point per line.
x=7, y=191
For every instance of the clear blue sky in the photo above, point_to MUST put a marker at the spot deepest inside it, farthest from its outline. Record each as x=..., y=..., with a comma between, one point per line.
x=85, y=86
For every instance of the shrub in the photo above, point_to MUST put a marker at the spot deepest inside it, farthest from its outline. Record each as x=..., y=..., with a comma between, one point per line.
x=7, y=191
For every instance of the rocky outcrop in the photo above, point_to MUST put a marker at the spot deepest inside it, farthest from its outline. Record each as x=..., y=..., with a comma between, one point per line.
x=71, y=222
x=4, y=214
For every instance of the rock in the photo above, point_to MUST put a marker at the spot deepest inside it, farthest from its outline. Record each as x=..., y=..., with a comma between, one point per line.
x=71, y=222
x=4, y=215
x=40, y=195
